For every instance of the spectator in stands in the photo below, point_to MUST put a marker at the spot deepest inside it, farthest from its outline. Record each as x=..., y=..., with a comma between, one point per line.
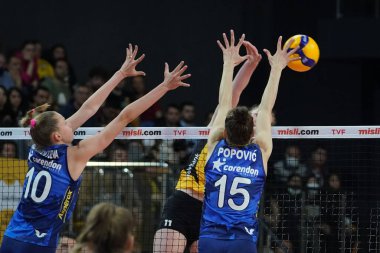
x=171, y=116
x=188, y=120
x=112, y=107
x=337, y=215
x=5, y=77
x=291, y=164
x=15, y=107
x=3, y=101
x=41, y=95
x=27, y=55
x=313, y=215
x=122, y=186
x=286, y=246
x=3, y=61
x=12, y=173
x=58, y=85
x=317, y=166
x=14, y=69
x=136, y=151
x=172, y=151
x=334, y=184
x=137, y=89
x=65, y=245
x=290, y=205
x=108, y=228
x=58, y=51
x=208, y=118
x=8, y=149
x=44, y=68
x=81, y=94
x=97, y=77
x=187, y=114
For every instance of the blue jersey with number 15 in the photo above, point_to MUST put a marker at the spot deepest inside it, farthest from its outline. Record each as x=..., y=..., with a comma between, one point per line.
x=48, y=198
x=235, y=179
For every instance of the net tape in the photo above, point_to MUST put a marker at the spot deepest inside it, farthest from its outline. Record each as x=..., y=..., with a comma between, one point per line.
x=280, y=132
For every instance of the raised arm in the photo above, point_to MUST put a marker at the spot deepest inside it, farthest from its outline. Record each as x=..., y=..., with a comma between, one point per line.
x=93, y=103
x=263, y=134
x=89, y=147
x=231, y=58
x=244, y=74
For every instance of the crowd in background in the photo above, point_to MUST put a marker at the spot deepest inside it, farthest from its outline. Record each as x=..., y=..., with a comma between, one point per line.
x=301, y=199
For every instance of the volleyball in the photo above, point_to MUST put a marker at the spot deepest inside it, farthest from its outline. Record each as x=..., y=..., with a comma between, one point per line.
x=308, y=51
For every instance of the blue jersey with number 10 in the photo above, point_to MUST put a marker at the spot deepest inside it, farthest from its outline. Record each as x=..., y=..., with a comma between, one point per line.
x=235, y=179
x=48, y=198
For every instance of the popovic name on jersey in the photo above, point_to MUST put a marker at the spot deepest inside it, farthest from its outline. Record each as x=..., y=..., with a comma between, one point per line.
x=246, y=155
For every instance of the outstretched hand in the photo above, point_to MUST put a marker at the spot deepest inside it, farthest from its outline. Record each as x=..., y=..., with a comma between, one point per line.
x=282, y=57
x=129, y=66
x=253, y=56
x=175, y=78
x=230, y=51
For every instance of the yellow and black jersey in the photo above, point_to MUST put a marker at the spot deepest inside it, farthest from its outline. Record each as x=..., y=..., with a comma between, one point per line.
x=192, y=176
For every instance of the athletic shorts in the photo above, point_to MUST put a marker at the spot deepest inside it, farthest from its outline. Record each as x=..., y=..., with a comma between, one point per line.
x=183, y=214
x=211, y=245
x=10, y=245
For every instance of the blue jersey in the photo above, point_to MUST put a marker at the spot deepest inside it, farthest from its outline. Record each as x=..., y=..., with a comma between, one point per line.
x=235, y=179
x=48, y=198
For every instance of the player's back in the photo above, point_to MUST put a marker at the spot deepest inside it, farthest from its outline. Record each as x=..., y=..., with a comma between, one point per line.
x=48, y=199
x=234, y=182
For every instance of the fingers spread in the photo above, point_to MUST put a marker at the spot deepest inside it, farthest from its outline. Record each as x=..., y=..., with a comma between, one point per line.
x=220, y=45
x=232, y=37
x=255, y=51
x=184, y=84
x=182, y=70
x=241, y=41
x=128, y=53
x=295, y=59
x=266, y=51
x=140, y=59
x=287, y=45
x=226, y=40
x=293, y=50
x=184, y=77
x=134, y=53
x=179, y=66
x=279, y=42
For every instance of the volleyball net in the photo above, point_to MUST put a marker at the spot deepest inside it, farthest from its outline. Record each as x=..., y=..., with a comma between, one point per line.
x=321, y=194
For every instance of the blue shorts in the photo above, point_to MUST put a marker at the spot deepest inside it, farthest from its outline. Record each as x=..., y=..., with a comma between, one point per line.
x=211, y=245
x=10, y=245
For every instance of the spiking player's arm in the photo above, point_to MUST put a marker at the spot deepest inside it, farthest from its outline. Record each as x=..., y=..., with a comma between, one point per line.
x=243, y=76
x=93, y=103
x=231, y=58
x=263, y=122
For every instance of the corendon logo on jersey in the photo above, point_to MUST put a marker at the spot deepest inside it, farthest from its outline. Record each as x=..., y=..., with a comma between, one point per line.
x=220, y=165
x=238, y=154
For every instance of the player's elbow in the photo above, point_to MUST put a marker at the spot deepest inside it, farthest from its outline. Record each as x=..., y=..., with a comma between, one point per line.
x=90, y=110
x=125, y=117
